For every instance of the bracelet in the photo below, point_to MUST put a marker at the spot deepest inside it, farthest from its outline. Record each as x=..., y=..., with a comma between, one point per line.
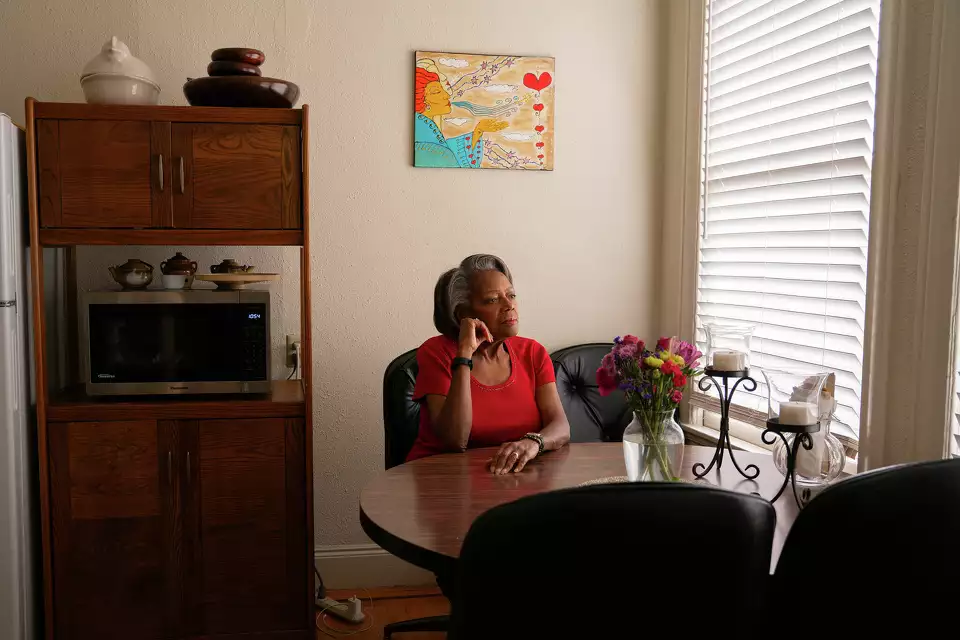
x=536, y=437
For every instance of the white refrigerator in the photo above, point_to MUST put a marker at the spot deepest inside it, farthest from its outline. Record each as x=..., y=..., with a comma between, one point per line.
x=18, y=533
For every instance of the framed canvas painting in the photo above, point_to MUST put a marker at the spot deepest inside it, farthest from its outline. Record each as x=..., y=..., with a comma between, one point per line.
x=483, y=112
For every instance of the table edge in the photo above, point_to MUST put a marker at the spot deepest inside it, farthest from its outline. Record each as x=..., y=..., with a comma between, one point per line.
x=433, y=561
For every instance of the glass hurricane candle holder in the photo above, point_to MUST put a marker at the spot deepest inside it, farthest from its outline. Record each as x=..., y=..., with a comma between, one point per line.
x=800, y=404
x=728, y=346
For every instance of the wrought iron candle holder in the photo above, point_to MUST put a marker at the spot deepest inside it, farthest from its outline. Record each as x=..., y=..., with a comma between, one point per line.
x=774, y=429
x=803, y=438
x=725, y=392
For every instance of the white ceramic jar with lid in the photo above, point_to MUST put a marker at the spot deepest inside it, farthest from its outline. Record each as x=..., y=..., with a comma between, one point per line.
x=115, y=76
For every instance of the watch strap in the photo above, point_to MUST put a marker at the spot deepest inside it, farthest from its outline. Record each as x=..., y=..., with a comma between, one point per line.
x=457, y=362
x=536, y=437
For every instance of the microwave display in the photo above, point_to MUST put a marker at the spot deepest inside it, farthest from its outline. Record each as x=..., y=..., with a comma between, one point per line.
x=177, y=347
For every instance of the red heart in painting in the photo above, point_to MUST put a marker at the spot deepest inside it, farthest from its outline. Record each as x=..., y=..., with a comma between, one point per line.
x=537, y=84
x=539, y=145
x=540, y=156
x=538, y=107
x=539, y=128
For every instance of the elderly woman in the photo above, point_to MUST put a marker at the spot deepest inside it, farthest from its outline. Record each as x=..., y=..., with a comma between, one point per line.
x=479, y=383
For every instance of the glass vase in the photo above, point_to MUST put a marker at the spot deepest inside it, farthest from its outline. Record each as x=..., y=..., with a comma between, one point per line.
x=810, y=394
x=653, y=447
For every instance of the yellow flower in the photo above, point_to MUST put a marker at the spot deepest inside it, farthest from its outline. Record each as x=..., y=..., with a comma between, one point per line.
x=655, y=374
x=665, y=355
x=677, y=360
x=652, y=362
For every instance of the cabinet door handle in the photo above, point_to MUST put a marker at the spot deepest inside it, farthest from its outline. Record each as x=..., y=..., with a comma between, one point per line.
x=169, y=467
x=188, y=468
x=183, y=181
x=160, y=171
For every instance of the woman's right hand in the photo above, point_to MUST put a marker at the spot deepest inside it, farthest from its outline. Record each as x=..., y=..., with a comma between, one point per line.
x=472, y=333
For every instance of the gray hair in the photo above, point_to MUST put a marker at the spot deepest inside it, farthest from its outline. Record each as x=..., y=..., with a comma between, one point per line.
x=453, y=290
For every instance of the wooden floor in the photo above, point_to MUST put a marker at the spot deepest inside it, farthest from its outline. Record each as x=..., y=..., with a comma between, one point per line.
x=390, y=604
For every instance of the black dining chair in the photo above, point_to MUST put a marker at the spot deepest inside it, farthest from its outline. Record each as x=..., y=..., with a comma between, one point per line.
x=884, y=542
x=401, y=421
x=592, y=417
x=596, y=562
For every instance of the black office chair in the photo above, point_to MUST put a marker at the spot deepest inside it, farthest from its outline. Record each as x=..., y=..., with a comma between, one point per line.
x=592, y=417
x=883, y=542
x=595, y=562
x=401, y=422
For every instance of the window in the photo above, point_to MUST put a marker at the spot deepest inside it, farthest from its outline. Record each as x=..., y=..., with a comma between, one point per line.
x=787, y=150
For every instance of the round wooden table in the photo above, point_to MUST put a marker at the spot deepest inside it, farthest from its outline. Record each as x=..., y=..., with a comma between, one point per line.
x=421, y=510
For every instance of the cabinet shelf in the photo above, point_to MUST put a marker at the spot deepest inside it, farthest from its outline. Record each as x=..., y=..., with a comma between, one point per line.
x=172, y=237
x=74, y=405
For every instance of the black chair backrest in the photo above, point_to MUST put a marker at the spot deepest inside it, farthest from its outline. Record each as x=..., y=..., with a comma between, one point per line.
x=401, y=415
x=592, y=417
x=595, y=562
x=893, y=536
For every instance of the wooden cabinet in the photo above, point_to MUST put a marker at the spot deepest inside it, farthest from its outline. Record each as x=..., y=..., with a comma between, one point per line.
x=105, y=173
x=236, y=176
x=246, y=526
x=154, y=168
x=179, y=529
x=112, y=515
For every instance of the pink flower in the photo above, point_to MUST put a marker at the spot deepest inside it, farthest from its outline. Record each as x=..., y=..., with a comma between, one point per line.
x=679, y=380
x=625, y=350
x=665, y=344
x=607, y=381
x=609, y=363
x=634, y=340
x=669, y=368
x=676, y=396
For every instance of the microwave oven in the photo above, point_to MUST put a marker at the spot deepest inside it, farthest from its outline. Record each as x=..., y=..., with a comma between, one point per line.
x=175, y=342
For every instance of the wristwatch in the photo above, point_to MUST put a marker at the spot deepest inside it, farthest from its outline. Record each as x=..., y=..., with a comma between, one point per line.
x=536, y=437
x=457, y=362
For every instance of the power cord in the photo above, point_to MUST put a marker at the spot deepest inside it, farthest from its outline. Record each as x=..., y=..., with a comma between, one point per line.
x=327, y=630
x=296, y=361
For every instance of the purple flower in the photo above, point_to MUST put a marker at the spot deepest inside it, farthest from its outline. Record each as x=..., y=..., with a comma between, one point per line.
x=625, y=351
x=690, y=354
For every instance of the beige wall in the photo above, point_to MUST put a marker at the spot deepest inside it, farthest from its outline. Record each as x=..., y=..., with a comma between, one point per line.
x=580, y=240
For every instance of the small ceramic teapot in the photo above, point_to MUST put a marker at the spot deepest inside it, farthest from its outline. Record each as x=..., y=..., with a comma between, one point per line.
x=229, y=265
x=178, y=265
x=133, y=274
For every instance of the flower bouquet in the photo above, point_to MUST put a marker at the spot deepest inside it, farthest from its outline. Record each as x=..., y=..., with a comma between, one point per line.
x=653, y=382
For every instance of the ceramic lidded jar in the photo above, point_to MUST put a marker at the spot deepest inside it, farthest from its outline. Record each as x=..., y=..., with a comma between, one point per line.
x=229, y=265
x=178, y=265
x=133, y=274
x=115, y=76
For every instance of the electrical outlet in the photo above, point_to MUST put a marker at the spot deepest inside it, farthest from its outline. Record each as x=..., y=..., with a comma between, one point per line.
x=290, y=350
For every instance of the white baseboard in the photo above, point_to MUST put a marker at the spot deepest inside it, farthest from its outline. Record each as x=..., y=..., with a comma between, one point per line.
x=352, y=566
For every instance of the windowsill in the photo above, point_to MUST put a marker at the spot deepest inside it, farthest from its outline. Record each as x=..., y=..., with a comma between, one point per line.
x=710, y=435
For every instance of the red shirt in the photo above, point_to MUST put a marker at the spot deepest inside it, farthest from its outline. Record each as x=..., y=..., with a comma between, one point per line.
x=501, y=413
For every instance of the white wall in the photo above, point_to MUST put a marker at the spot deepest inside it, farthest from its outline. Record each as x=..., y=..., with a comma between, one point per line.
x=580, y=240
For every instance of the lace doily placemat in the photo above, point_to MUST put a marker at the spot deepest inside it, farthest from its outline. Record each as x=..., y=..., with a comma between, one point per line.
x=607, y=480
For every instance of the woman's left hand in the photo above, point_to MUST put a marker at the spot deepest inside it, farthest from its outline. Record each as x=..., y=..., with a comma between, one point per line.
x=513, y=456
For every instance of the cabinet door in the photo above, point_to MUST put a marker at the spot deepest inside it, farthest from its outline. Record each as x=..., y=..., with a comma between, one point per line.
x=236, y=176
x=245, y=501
x=104, y=173
x=112, y=508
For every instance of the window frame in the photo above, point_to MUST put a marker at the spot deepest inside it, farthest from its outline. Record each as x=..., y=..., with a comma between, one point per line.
x=885, y=438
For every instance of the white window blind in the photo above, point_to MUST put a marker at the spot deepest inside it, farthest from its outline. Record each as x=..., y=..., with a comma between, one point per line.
x=787, y=150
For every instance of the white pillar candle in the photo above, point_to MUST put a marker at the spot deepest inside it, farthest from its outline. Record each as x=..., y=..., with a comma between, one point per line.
x=729, y=360
x=798, y=414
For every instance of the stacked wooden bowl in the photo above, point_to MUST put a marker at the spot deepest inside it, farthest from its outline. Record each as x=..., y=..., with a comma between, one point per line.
x=235, y=80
